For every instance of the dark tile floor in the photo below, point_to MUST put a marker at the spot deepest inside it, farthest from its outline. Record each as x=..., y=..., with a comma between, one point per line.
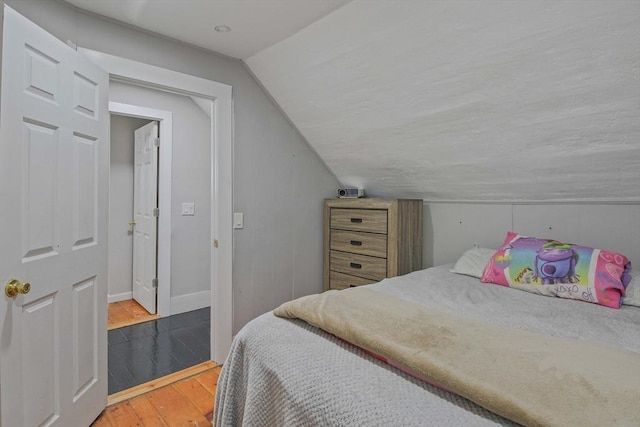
x=150, y=350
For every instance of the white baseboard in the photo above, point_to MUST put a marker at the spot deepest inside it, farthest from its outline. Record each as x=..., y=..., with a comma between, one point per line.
x=119, y=297
x=189, y=302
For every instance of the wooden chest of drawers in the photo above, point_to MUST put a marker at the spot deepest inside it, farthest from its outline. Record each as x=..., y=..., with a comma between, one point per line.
x=366, y=240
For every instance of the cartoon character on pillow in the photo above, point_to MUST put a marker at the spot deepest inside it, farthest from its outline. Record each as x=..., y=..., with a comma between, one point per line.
x=552, y=268
x=556, y=263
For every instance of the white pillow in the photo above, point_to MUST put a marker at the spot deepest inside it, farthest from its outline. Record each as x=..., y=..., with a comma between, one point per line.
x=473, y=261
x=633, y=290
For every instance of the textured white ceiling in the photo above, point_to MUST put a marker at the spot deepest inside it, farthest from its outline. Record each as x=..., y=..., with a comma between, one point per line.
x=448, y=100
x=255, y=24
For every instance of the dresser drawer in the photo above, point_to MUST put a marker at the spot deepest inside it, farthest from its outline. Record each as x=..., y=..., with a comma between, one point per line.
x=358, y=265
x=371, y=220
x=360, y=243
x=342, y=281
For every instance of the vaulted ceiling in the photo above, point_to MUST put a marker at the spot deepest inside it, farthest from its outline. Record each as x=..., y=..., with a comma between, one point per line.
x=449, y=100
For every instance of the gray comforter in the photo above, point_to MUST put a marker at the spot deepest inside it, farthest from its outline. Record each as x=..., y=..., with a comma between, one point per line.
x=285, y=372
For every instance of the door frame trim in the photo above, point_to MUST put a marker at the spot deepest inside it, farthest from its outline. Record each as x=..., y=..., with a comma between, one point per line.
x=163, y=261
x=220, y=95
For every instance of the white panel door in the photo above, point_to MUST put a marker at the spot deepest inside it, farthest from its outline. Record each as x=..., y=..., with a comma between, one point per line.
x=53, y=223
x=145, y=201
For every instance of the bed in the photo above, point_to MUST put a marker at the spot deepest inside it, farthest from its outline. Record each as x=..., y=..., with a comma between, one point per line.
x=285, y=372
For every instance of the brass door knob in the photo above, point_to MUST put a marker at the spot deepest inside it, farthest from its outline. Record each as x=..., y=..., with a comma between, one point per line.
x=14, y=287
x=133, y=223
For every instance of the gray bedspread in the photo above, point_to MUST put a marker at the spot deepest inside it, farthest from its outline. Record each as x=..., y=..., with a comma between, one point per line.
x=286, y=373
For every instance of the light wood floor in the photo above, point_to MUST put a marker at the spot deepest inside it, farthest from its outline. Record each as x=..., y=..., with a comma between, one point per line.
x=125, y=313
x=188, y=402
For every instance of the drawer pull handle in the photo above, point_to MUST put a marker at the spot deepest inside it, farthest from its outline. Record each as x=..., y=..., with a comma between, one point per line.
x=355, y=265
x=356, y=243
x=357, y=220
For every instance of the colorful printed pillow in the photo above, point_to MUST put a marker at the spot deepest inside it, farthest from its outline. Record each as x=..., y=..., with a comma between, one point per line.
x=564, y=270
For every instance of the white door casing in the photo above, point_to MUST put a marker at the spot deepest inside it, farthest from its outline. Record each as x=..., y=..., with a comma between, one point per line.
x=145, y=202
x=54, y=165
x=128, y=71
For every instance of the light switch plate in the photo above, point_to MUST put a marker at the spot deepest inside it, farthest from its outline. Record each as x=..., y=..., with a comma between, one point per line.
x=188, y=209
x=238, y=220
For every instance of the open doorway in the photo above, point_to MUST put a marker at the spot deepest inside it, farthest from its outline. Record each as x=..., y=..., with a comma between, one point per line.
x=180, y=338
x=220, y=106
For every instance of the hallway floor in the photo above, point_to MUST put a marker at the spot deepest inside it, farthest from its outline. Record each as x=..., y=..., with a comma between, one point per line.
x=153, y=349
x=126, y=313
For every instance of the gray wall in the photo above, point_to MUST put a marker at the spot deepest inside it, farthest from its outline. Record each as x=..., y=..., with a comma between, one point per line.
x=452, y=228
x=190, y=182
x=279, y=182
x=121, y=203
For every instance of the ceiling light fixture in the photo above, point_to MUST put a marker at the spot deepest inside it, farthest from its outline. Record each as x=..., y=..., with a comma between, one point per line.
x=222, y=28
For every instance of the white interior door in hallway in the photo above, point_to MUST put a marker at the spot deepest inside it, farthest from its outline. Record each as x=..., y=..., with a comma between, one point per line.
x=145, y=220
x=54, y=165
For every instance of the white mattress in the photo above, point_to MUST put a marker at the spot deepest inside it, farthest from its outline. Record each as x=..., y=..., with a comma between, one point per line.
x=285, y=372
